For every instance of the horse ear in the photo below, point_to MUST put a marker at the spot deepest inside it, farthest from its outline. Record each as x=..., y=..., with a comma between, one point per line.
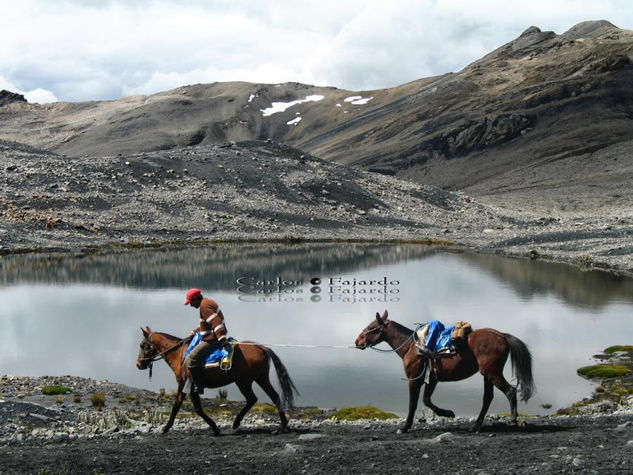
x=143, y=332
x=385, y=316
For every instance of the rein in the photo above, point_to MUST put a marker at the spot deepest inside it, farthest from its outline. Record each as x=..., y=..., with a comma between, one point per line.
x=160, y=355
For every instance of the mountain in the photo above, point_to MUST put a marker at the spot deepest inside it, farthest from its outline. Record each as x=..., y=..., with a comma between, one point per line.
x=545, y=112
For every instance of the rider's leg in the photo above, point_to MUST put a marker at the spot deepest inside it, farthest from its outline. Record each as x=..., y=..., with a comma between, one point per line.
x=196, y=361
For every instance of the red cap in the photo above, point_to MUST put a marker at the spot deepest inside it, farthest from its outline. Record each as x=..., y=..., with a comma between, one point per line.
x=191, y=293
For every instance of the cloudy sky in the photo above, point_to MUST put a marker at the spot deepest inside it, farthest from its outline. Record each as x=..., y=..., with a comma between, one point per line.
x=73, y=50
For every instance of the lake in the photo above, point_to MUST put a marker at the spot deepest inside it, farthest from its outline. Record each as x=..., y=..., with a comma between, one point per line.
x=81, y=315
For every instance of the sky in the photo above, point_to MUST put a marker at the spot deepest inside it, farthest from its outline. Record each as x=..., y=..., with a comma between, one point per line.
x=79, y=50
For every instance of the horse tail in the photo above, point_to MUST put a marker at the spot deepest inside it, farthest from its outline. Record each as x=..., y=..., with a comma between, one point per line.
x=521, y=365
x=288, y=388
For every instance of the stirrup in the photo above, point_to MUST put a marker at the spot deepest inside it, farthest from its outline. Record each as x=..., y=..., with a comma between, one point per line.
x=225, y=364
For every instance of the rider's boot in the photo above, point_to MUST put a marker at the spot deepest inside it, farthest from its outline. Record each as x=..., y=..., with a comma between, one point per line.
x=197, y=374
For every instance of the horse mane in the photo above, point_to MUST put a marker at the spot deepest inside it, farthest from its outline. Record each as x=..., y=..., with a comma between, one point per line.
x=168, y=336
x=400, y=328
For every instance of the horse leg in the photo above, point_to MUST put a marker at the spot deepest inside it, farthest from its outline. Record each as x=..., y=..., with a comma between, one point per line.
x=511, y=393
x=488, y=395
x=197, y=404
x=180, y=397
x=426, y=399
x=414, y=394
x=268, y=388
x=246, y=389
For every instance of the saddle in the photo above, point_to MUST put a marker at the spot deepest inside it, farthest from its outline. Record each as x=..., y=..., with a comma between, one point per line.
x=448, y=341
x=217, y=353
x=460, y=333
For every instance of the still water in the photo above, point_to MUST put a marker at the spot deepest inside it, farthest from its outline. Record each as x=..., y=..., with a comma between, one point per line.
x=81, y=316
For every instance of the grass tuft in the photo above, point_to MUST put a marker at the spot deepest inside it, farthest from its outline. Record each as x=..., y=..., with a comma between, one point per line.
x=362, y=412
x=615, y=348
x=54, y=390
x=98, y=400
x=603, y=371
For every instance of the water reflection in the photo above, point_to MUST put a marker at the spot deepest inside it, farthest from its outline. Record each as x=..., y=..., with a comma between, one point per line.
x=571, y=284
x=215, y=267
x=82, y=316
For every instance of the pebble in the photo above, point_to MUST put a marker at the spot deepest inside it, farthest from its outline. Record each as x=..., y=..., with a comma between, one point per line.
x=310, y=436
x=291, y=449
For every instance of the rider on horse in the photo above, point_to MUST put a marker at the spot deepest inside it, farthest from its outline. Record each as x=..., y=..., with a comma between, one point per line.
x=211, y=329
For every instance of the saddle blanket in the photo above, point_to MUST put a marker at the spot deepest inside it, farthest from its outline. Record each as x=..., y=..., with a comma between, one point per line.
x=444, y=343
x=217, y=351
x=438, y=338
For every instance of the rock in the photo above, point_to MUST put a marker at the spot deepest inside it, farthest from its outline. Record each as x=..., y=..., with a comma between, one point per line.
x=7, y=97
x=622, y=427
x=310, y=436
x=444, y=437
x=290, y=449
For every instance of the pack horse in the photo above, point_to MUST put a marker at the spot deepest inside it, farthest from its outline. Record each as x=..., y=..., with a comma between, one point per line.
x=485, y=351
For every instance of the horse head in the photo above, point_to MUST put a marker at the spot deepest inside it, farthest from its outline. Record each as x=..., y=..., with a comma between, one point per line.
x=372, y=334
x=147, y=351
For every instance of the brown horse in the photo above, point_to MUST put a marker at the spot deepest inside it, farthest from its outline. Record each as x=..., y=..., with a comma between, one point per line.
x=250, y=363
x=486, y=351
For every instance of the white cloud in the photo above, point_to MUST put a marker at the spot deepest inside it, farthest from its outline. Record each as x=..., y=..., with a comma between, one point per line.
x=40, y=96
x=82, y=50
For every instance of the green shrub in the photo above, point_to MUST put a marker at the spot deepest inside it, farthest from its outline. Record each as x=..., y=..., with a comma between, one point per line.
x=603, y=371
x=264, y=408
x=98, y=400
x=616, y=348
x=54, y=390
x=362, y=412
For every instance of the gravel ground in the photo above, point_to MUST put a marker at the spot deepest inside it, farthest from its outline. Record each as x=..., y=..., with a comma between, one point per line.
x=39, y=434
x=269, y=191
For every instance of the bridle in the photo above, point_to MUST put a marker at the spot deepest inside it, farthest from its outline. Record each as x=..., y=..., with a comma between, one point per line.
x=158, y=355
x=366, y=332
x=381, y=329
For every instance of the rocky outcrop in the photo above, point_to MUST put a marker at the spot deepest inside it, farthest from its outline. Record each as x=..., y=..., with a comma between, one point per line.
x=7, y=97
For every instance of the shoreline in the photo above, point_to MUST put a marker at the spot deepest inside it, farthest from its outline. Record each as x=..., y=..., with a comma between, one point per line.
x=57, y=437
x=114, y=247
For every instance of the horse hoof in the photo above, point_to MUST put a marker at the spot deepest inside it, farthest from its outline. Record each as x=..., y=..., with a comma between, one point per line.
x=165, y=430
x=401, y=431
x=475, y=428
x=236, y=431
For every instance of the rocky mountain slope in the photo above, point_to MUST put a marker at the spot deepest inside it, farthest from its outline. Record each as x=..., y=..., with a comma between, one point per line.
x=269, y=191
x=545, y=112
